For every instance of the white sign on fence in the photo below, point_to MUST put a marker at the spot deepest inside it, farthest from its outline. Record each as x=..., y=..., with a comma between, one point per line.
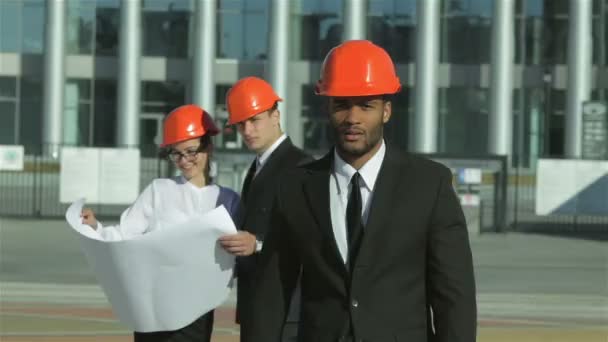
x=101, y=175
x=11, y=157
x=572, y=187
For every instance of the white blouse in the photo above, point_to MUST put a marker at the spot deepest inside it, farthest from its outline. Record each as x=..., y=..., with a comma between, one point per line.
x=167, y=202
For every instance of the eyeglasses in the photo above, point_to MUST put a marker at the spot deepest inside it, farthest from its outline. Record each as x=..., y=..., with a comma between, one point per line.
x=189, y=154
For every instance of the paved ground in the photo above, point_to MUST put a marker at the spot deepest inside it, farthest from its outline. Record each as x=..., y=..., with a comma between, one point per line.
x=531, y=288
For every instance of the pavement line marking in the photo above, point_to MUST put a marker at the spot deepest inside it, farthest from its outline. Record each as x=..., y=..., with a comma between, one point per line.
x=59, y=316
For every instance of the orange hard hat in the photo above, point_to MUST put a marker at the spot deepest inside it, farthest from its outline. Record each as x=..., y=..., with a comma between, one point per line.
x=357, y=68
x=249, y=97
x=187, y=122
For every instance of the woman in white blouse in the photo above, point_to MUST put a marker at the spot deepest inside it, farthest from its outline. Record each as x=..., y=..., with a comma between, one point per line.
x=166, y=202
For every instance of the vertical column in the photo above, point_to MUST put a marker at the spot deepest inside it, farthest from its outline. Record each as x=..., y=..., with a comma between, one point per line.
x=129, y=73
x=427, y=62
x=54, y=77
x=355, y=15
x=579, y=73
x=278, y=62
x=203, y=56
x=500, y=130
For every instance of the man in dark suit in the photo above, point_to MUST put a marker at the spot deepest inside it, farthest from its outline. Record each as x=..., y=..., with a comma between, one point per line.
x=252, y=107
x=377, y=234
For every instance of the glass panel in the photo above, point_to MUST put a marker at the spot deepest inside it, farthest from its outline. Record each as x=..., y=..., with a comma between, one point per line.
x=256, y=34
x=463, y=120
x=558, y=7
x=599, y=32
x=84, y=88
x=107, y=3
x=76, y=114
x=7, y=122
x=106, y=31
x=105, y=113
x=10, y=26
x=30, y=116
x=555, y=47
x=392, y=25
x=8, y=87
x=317, y=133
x=316, y=28
x=80, y=27
x=165, y=33
x=466, y=31
x=604, y=40
x=166, y=5
x=243, y=29
x=171, y=92
x=33, y=26
x=148, y=136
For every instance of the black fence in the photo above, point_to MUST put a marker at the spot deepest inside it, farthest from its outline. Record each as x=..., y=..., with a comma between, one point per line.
x=506, y=196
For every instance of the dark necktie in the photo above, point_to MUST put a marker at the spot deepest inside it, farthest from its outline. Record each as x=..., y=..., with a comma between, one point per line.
x=354, y=224
x=249, y=179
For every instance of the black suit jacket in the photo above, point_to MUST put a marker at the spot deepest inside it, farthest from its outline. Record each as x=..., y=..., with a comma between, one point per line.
x=257, y=197
x=414, y=255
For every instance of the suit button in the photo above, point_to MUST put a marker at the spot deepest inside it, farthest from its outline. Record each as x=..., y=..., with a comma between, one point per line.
x=354, y=303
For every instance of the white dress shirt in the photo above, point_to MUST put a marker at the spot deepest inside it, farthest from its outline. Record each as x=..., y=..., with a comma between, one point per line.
x=263, y=158
x=167, y=202
x=339, y=191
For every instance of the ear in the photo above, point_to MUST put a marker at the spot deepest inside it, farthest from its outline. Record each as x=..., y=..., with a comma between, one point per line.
x=388, y=111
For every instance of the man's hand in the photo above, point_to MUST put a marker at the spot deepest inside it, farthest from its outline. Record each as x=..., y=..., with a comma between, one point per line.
x=240, y=244
x=88, y=217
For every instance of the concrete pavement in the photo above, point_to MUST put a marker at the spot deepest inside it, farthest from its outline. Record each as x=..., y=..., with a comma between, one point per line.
x=530, y=288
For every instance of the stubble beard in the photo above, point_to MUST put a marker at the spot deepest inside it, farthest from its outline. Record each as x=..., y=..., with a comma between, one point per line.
x=359, y=149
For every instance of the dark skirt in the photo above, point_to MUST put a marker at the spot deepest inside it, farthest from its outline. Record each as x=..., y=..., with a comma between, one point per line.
x=198, y=331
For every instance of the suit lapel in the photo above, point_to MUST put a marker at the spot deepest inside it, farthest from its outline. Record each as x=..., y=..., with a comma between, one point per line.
x=270, y=167
x=316, y=189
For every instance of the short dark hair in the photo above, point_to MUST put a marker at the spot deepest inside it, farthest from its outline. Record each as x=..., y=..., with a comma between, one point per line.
x=388, y=97
x=275, y=106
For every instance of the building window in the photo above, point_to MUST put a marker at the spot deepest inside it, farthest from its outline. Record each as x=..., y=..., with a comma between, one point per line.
x=158, y=100
x=316, y=27
x=104, y=118
x=463, y=120
x=22, y=26
x=77, y=130
x=31, y=114
x=242, y=27
x=317, y=134
x=392, y=25
x=555, y=46
x=107, y=22
x=80, y=27
x=10, y=26
x=166, y=28
x=529, y=32
x=8, y=110
x=466, y=31
x=33, y=26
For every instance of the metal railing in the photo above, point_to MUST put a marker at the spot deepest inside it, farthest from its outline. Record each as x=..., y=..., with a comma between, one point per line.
x=507, y=196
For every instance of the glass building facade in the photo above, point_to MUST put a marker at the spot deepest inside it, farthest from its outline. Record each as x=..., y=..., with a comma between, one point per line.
x=464, y=84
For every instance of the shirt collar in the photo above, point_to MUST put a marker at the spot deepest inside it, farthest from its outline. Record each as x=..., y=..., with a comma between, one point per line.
x=262, y=158
x=369, y=171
